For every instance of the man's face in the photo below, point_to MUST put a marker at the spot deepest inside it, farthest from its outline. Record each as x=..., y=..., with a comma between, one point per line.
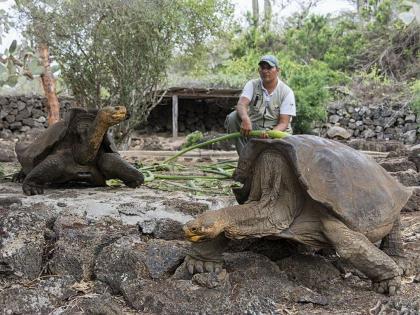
x=267, y=73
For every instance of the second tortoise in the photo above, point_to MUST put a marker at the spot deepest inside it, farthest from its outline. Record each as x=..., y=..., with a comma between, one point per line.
x=313, y=191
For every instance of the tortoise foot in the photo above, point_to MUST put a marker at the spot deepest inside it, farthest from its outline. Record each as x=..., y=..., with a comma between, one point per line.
x=134, y=184
x=199, y=266
x=31, y=189
x=406, y=264
x=388, y=286
x=18, y=177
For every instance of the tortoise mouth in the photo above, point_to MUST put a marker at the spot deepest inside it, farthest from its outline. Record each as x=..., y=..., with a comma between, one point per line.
x=195, y=238
x=120, y=113
x=192, y=236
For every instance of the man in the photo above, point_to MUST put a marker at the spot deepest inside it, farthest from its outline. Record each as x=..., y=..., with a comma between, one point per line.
x=265, y=103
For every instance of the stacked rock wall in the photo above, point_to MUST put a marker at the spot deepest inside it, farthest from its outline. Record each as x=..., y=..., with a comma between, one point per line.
x=346, y=119
x=19, y=114
x=385, y=121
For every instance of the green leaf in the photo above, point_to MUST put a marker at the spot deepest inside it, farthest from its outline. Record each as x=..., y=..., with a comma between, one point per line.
x=114, y=183
x=3, y=68
x=13, y=47
x=4, y=74
x=12, y=80
x=11, y=67
x=55, y=68
x=35, y=67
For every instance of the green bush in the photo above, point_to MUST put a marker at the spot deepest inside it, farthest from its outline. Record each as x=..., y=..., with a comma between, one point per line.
x=193, y=138
x=310, y=83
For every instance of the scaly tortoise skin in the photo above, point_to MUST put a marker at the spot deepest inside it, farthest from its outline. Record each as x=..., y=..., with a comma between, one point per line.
x=313, y=191
x=76, y=149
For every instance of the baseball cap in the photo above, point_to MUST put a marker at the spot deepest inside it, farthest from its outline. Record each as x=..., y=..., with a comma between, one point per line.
x=270, y=59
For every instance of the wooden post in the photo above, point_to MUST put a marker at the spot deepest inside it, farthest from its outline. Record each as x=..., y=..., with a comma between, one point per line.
x=174, y=116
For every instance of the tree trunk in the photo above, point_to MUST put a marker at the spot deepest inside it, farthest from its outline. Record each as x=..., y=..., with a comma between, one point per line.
x=267, y=14
x=255, y=12
x=48, y=83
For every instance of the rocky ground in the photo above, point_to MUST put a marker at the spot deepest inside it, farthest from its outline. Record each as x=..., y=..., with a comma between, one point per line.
x=116, y=250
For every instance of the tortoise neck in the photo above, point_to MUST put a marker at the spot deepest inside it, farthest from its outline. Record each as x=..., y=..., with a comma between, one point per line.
x=89, y=149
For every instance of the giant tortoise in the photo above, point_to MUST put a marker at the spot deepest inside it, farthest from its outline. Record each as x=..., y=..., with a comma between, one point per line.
x=313, y=191
x=76, y=149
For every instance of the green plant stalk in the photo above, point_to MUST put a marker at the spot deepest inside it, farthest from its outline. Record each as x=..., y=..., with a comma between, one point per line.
x=187, y=177
x=225, y=174
x=272, y=134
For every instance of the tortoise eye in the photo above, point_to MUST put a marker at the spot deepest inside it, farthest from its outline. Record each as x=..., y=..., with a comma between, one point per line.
x=194, y=229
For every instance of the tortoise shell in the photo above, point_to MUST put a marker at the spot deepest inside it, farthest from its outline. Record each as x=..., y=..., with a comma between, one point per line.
x=347, y=182
x=31, y=155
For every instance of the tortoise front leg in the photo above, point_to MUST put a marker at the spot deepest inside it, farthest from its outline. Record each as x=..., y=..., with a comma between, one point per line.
x=113, y=166
x=206, y=256
x=365, y=256
x=49, y=170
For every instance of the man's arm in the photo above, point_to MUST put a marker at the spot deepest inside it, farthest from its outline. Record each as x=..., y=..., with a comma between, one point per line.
x=283, y=122
x=287, y=110
x=242, y=110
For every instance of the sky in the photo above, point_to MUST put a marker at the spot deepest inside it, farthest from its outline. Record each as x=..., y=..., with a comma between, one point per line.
x=324, y=6
x=241, y=7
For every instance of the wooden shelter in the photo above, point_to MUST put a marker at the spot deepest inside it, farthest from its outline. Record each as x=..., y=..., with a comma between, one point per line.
x=177, y=93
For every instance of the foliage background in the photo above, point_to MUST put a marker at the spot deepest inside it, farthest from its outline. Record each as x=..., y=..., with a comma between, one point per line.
x=322, y=54
x=128, y=51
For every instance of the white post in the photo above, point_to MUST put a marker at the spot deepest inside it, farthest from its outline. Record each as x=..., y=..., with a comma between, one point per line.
x=174, y=116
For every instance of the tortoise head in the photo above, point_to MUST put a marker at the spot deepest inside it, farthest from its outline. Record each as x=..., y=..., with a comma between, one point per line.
x=206, y=226
x=112, y=115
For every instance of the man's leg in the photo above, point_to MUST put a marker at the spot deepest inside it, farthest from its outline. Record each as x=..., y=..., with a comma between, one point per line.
x=233, y=124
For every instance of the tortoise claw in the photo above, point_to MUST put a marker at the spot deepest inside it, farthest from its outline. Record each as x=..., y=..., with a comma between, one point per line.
x=30, y=189
x=18, y=177
x=388, y=286
x=406, y=264
x=198, y=266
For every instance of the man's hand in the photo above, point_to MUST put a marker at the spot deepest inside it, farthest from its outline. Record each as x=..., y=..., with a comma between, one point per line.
x=283, y=123
x=264, y=135
x=246, y=127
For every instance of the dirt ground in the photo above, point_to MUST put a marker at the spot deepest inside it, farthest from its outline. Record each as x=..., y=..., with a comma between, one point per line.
x=257, y=280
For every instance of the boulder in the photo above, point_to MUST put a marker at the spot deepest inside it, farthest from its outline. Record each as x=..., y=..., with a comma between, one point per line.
x=22, y=243
x=410, y=136
x=252, y=285
x=79, y=241
x=166, y=229
x=92, y=304
x=7, y=155
x=41, y=297
x=413, y=204
x=414, y=155
x=334, y=119
x=131, y=258
x=398, y=164
x=338, y=132
x=407, y=178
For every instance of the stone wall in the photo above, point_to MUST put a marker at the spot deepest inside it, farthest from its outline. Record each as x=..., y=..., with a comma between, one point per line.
x=346, y=119
x=19, y=114
x=384, y=121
